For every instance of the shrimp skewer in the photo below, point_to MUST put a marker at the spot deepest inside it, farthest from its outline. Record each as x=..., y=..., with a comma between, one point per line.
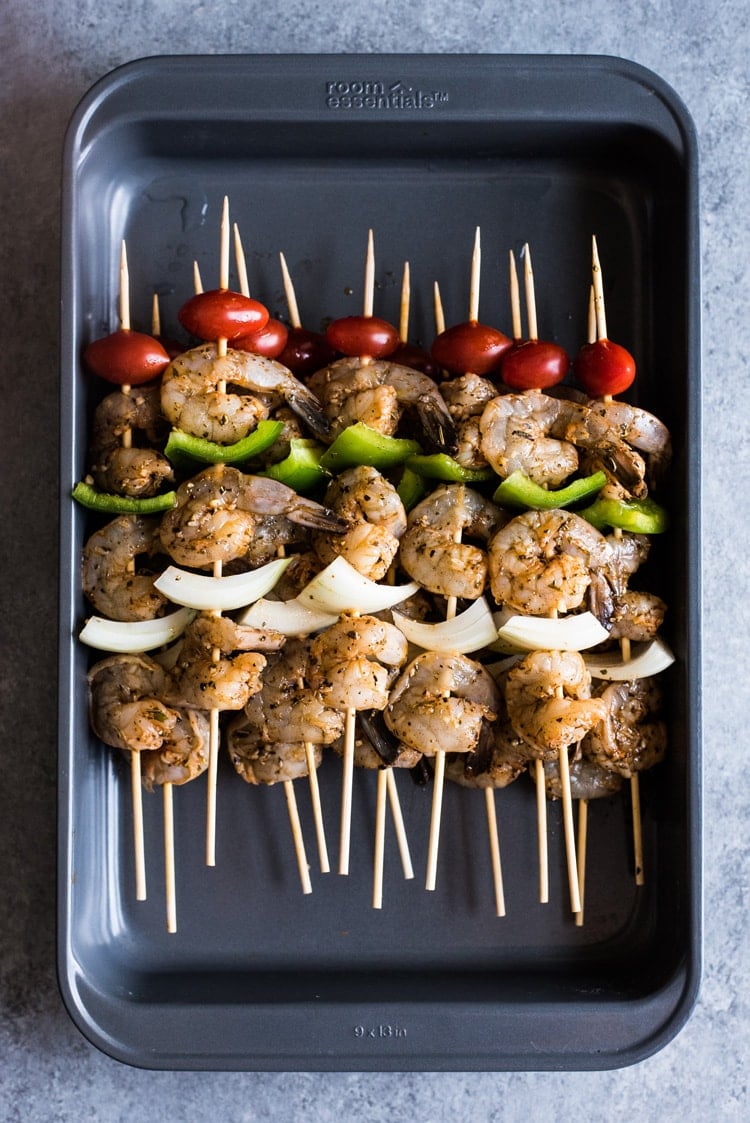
x=635, y=791
x=312, y=770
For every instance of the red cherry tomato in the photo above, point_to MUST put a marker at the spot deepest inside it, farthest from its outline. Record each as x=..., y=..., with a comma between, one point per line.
x=270, y=340
x=534, y=365
x=604, y=368
x=409, y=355
x=306, y=351
x=222, y=314
x=126, y=358
x=470, y=346
x=362, y=335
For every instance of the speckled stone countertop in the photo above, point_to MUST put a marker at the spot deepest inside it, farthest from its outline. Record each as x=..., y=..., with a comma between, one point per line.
x=51, y=54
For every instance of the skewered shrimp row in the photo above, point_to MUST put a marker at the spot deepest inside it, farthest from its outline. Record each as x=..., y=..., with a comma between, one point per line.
x=290, y=694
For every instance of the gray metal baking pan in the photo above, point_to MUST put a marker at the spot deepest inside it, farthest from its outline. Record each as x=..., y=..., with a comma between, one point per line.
x=312, y=151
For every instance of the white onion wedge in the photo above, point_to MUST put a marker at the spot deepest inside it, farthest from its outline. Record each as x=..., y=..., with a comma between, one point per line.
x=516, y=632
x=469, y=631
x=286, y=616
x=340, y=588
x=645, y=659
x=137, y=635
x=196, y=590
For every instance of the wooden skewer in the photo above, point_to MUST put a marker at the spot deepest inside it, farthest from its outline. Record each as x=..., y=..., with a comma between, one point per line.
x=404, y=306
x=635, y=792
x=347, y=781
x=541, y=794
x=380, y=804
x=398, y=823
x=214, y=732
x=439, y=313
x=291, y=296
x=563, y=762
x=497, y=871
x=169, y=868
x=139, y=852
x=583, y=804
x=299, y=842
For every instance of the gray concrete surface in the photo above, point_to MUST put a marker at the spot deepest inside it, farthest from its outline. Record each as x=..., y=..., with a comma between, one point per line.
x=51, y=52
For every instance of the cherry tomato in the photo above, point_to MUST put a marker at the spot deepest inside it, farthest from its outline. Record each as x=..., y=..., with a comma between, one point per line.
x=534, y=364
x=362, y=335
x=270, y=340
x=126, y=358
x=470, y=346
x=306, y=351
x=409, y=355
x=603, y=368
x=222, y=314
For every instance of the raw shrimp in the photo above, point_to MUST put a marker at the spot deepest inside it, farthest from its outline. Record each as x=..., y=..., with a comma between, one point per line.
x=132, y=471
x=587, y=780
x=499, y=758
x=352, y=663
x=286, y=709
x=128, y=711
x=441, y=702
x=377, y=520
x=431, y=551
x=637, y=616
x=548, y=694
x=109, y=580
x=192, y=401
x=541, y=562
x=377, y=393
x=263, y=762
x=225, y=683
x=375, y=747
x=183, y=756
x=601, y=422
x=522, y=432
x=216, y=511
x=631, y=735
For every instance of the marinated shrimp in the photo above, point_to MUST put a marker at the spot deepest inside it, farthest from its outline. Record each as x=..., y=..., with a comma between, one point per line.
x=441, y=702
x=286, y=709
x=353, y=663
x=133, y=471
x=217, y=510
x=523, y=432
x=631, y=736
x=499, y=758
x=192, y=401
x=109, y=579
x=541, y=562
x=266, y=762
x=432, y=550
x=128, y=711
x=376, y=517
x=587, y=780
x=466, y=397
x=227, y=682
x=377, y=393
x=548, y=694
x=637, y=616
x=600, y=423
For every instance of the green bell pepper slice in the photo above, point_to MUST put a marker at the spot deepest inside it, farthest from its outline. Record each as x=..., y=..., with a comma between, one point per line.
x=359, y=444
x=183, y=449
x=411, y=488
x=517, y=490
x=94, y=500
x=639, y=516
x=301, y=469
x=440, y=466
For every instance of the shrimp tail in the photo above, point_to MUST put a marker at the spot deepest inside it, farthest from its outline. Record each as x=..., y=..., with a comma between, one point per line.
x=385, y=744
x=307, y=512
x=306, y=405
x=437, y=425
